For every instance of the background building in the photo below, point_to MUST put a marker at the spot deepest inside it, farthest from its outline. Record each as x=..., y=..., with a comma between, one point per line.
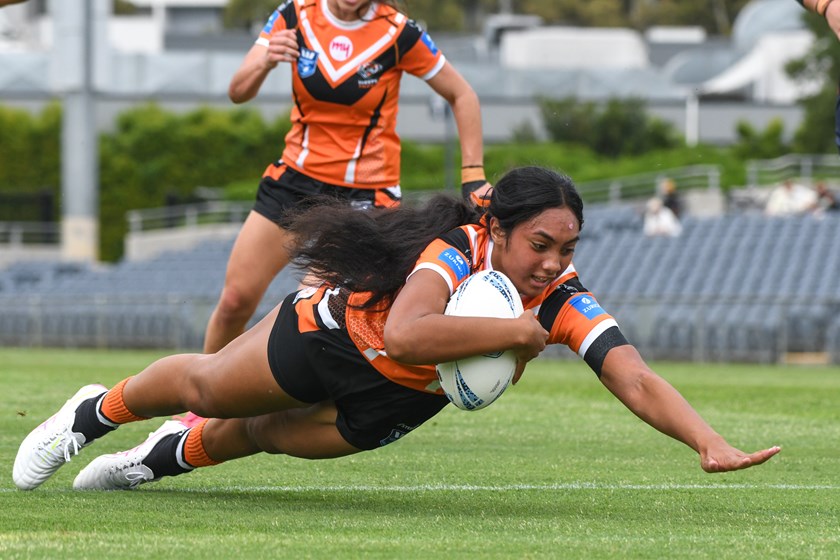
x=177, y=53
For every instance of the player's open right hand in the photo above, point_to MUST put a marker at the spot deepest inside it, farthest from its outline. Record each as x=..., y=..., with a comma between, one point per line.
x=724, y=458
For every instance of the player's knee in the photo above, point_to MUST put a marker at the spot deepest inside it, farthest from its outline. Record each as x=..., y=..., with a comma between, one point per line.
x=264, y=431
x=198, y=391
x=235, y=304
x=305, y=433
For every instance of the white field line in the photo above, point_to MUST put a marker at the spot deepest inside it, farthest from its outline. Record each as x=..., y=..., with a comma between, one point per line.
x=502, y=488
x=518, y=487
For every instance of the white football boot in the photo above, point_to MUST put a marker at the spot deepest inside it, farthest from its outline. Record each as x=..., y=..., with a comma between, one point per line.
x=125, y=470
x=53, y=443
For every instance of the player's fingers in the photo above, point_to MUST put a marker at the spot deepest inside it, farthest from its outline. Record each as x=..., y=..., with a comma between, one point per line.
x=284, y=34
x=762, y=456
x=738, y=462
x=520, y=369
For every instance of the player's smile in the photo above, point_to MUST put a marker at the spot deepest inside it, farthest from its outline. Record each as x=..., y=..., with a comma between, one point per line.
x=542, y=281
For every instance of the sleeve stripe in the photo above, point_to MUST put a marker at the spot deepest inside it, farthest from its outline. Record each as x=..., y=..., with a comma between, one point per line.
x=434, y=71
x=594, y=334
x=473, y=234
x=437, y=268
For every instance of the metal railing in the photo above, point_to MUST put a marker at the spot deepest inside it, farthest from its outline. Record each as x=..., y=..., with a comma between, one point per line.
x=614, y=190
x=187, y=215
x=645, y=185
x=806, y=167
x=633, y=187
x=16, y=234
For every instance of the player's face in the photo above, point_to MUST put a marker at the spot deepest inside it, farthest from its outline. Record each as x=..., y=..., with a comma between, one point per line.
x=536, y=251
x=347, y=10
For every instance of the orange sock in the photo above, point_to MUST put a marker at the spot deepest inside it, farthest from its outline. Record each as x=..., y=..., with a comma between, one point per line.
x=194, y=453
x=113, y=407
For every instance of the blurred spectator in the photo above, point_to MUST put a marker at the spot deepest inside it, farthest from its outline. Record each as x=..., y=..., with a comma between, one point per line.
x=671, y=198
x=790, y=198
x=827, y=200
x=660, y=220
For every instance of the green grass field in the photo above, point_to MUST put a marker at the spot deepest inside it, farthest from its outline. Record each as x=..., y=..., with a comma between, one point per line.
x=557, y=468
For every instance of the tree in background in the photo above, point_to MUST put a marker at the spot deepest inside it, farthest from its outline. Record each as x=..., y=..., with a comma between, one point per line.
x=616, y=128
x=446, y=15
x=246, y=14
x=821, y=64
x=715, y=16
x=760, y=144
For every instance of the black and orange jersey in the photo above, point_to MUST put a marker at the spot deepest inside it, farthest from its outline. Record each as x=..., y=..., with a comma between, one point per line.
x=570, y=313
x=346, y=86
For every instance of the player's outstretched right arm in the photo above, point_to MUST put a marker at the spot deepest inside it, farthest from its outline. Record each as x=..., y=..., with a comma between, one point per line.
x=659, y=404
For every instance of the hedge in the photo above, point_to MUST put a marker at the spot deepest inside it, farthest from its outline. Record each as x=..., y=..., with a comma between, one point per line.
x=154, y=157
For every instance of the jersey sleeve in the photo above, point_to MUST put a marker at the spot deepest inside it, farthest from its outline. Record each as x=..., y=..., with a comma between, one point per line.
x=573, y=317
x=284, y=17
x=419, y=56
x=449, y=256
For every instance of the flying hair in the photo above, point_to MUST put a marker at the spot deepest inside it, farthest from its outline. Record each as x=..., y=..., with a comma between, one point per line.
x=375, y=250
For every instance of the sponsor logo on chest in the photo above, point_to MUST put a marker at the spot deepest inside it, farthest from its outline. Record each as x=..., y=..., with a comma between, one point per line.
x=341, y=48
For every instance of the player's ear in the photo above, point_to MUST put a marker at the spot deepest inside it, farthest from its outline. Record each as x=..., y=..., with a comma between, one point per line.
x=497, y=234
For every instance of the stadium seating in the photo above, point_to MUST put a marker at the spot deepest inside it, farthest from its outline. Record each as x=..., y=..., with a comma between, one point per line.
x=164, y=302
x=740, y=287
x=736, y=287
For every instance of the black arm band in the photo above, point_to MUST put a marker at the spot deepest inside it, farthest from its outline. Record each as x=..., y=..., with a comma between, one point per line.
x=596, y=353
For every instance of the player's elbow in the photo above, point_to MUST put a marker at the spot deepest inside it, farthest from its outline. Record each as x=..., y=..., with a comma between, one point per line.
x=239, y=90
x=465, y=96
x=398, y=344
x=236, y=96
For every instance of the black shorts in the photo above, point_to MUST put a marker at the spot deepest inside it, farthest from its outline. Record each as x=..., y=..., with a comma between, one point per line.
x=276, y=196
x=325, y=365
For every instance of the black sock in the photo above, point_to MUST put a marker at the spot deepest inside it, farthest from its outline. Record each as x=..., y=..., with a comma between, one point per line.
x=87, y=421
x=163, y=458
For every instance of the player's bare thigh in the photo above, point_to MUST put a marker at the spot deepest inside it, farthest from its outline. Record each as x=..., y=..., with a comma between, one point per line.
x=308, y=433
x=259, y=253
x=237, y=381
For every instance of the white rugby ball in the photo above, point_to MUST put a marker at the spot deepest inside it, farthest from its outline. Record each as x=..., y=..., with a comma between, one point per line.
x=475, y=382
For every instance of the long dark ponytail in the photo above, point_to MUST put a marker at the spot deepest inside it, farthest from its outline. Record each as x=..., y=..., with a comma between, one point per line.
x=375, y=250
x=371, y=250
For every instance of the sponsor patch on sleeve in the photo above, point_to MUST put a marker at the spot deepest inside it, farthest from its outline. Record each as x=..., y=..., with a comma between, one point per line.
x=586, y=306
x=270, y=23
x=453, y=260
x=429, y=43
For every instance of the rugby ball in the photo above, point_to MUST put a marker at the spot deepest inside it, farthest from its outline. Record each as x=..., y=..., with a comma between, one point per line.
x=475, y=382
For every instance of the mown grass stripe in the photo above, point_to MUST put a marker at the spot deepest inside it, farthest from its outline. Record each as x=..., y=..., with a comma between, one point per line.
x=485, y=488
